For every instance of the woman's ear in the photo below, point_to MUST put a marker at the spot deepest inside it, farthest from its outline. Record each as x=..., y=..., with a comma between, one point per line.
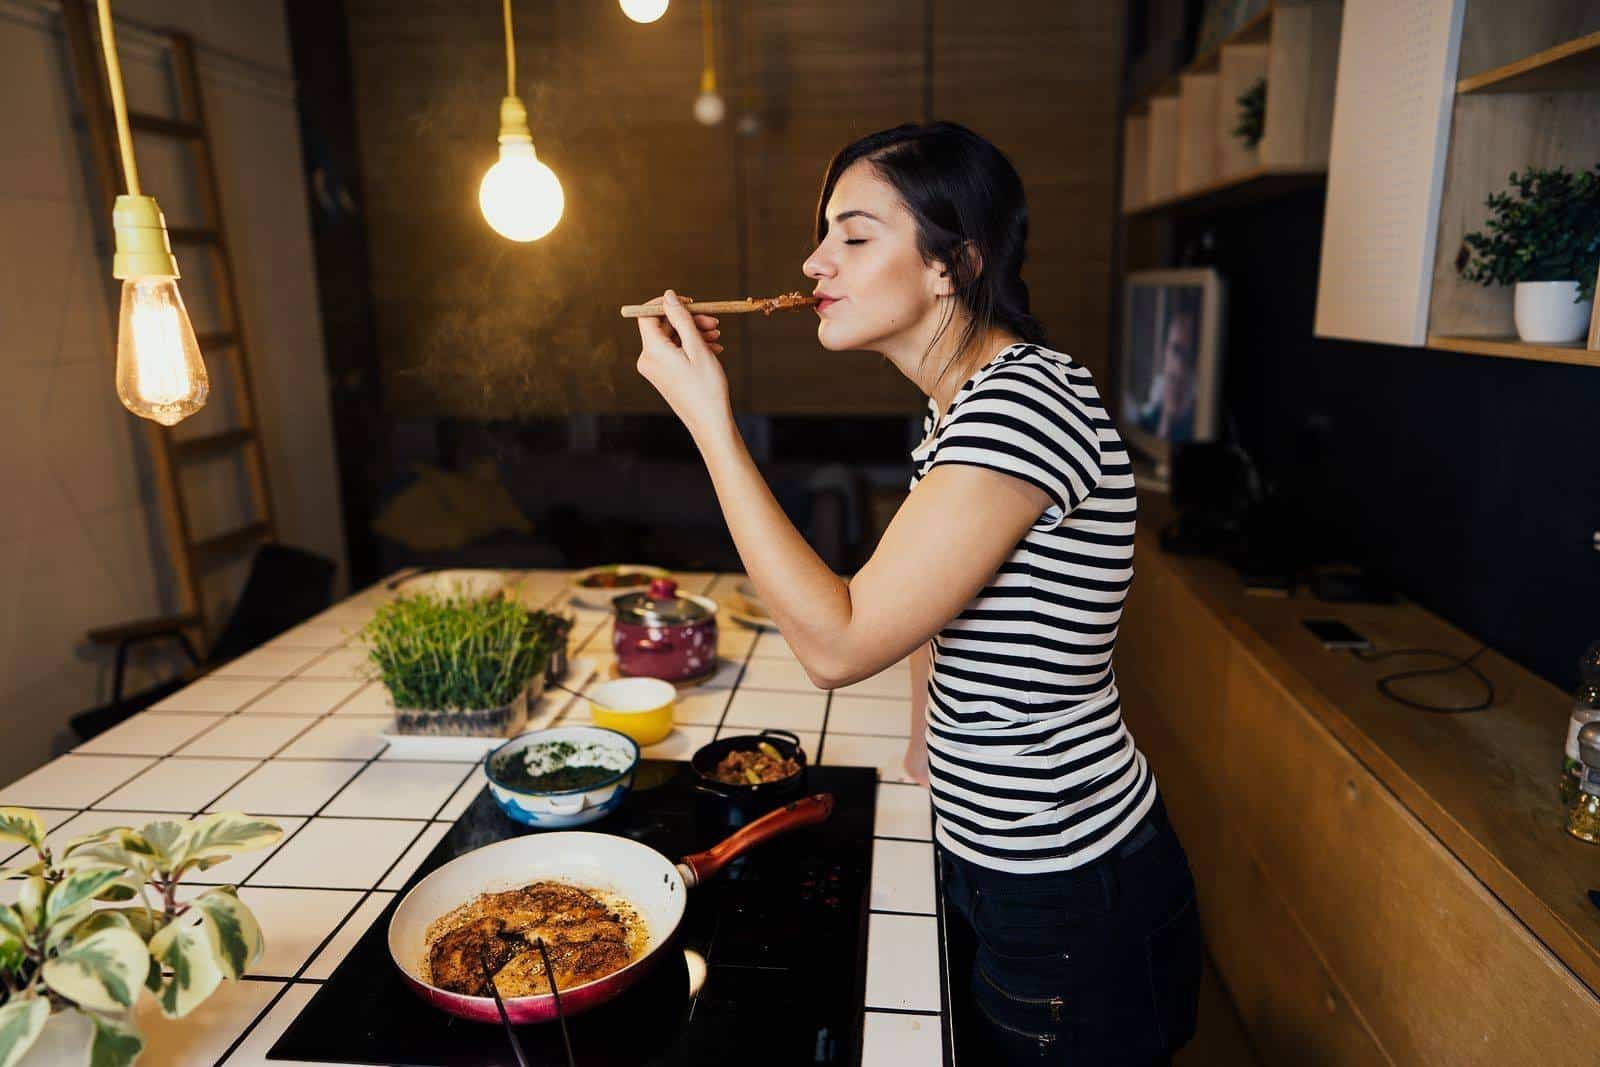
x=972, y=266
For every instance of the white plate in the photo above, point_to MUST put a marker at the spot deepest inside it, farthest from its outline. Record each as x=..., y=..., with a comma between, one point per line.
x=586, y=597
x=471, y=584
x=551, y=703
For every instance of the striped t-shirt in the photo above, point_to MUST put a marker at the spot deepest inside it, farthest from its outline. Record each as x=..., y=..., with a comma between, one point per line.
x=1030, y=765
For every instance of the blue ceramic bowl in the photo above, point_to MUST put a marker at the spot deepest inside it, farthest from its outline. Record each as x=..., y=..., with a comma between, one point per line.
x=567, y=808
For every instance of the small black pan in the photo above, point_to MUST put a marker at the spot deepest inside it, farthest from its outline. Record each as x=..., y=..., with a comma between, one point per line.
x=744, y=799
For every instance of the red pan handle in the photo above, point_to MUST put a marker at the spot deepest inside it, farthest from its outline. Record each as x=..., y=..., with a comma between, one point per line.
x=806, y=811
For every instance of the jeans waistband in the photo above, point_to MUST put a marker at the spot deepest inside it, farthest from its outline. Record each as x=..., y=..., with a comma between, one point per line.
x=1098, y=877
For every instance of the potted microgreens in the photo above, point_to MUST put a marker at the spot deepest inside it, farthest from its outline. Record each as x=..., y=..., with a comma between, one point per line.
x=461, y=666
x=72, y=965
x=1543, y=236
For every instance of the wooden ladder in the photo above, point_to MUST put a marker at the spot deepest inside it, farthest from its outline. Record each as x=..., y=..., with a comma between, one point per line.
x=193, y=558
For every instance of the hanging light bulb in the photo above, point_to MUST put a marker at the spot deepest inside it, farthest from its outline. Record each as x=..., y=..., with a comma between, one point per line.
x=160, y=374
x=520, y=197
x=644, y=10
x=709, y=108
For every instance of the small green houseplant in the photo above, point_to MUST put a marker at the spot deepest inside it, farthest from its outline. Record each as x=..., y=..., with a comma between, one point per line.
x=72, y=965
x=1543, y=236
x=1252, y=117
x=461, y=665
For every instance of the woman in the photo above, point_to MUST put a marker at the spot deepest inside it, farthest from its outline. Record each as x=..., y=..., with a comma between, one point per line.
x=1002, y=577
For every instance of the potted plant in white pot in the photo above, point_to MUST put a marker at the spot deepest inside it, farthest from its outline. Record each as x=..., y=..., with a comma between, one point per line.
x=461, y=666
x=1544, y=237
x=72, y=965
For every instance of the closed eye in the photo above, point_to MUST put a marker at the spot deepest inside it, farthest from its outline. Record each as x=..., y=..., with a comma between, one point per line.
x=856, y=241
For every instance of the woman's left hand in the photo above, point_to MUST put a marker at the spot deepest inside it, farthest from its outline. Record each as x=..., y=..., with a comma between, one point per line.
x=679, y=358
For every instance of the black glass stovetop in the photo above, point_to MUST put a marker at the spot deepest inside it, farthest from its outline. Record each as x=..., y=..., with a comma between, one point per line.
x=781, y=932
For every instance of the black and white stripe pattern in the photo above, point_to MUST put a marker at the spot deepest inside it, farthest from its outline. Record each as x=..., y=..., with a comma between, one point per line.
x=1031, y=766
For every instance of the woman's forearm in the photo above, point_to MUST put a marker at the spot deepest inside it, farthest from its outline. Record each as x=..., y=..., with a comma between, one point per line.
x=808, y=602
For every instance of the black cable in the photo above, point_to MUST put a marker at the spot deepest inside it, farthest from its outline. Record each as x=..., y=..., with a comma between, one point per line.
x=1386, y=683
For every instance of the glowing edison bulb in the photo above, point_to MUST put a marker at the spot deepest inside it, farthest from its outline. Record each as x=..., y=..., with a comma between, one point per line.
x=521, y=198
x=644, y=10
x=160, y=374
x=709, y=109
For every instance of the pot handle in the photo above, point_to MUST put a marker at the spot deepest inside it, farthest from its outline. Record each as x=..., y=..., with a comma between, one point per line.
x=567, y=805
x=806, y=811
x=782, y=735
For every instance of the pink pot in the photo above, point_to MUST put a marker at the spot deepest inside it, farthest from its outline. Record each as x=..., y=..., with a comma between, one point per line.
x=660, y=634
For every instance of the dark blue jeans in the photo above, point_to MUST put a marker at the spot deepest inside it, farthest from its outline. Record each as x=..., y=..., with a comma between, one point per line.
x=1097, y=965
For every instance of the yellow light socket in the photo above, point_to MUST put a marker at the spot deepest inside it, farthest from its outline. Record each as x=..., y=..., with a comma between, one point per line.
x=143, y=250
x=514, y=122
x=708, y=81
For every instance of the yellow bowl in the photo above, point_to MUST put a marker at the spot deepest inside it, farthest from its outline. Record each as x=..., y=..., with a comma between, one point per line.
x=638, y=707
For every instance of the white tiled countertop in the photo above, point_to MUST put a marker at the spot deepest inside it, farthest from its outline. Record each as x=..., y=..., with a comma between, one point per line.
x=292, y=731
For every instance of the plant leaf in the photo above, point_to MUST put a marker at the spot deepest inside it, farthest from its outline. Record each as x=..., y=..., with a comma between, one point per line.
x=78, y=888
x=120, y=848
x=21, y=1022
x=224, y=833
x=161, y=838
x=30, y=902
x=116, y=1042
x=232, y=928
x=196, y=971
x=11, y=924
x=8, y=873
x=22, y=826
x=108, y=834
x=102, y=972
x=104, y=919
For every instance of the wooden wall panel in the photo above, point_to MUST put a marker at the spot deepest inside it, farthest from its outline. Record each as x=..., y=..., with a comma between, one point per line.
x=1040, y=79
x=819, y=74
x=471, y=324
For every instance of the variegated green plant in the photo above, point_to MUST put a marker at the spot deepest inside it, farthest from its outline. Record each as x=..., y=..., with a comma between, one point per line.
x=93, y=926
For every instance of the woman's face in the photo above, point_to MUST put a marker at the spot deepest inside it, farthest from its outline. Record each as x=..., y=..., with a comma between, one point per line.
x=872, y=280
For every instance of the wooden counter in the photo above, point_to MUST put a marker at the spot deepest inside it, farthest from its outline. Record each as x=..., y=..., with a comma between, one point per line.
x=1380, y=884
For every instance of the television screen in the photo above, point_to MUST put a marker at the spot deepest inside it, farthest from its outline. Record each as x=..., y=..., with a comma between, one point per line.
x=1171, y=348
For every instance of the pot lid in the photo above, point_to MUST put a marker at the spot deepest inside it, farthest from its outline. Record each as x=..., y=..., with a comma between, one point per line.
x=659, y=606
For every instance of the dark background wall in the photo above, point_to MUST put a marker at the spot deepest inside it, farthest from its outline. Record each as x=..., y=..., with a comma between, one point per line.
x=1474, y=482
x=469, y=324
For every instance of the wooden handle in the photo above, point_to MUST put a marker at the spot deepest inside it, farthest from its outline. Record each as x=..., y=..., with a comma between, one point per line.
x=702, y=307
x=806, y=811
x=786, y=302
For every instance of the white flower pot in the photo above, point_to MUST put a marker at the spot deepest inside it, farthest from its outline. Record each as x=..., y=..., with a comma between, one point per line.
x=1547, y=314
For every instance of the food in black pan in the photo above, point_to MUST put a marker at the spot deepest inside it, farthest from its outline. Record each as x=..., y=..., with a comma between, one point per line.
x=755, y=766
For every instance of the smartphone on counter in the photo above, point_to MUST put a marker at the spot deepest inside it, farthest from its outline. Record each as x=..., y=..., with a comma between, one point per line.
x=1336, y=634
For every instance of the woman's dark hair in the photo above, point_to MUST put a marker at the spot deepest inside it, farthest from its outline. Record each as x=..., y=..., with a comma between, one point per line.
x=963, y=192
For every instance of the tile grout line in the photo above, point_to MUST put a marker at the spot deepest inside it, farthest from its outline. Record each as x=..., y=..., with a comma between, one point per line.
x=365, y=895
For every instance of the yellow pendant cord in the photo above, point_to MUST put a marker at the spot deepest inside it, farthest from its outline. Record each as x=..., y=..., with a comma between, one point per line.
x=119, y=106
x=708, y=77
x=511, y=54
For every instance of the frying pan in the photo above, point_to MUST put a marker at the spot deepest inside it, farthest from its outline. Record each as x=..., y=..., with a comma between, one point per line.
x=655, y=887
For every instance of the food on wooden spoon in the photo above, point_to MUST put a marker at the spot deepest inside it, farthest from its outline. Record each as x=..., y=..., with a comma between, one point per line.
x=765, y=305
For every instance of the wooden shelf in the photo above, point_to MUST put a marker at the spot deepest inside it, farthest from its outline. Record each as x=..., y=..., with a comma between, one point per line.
x=1568, y=67
x=1257, y=29
x=1511, y=348
x=1262, y=183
